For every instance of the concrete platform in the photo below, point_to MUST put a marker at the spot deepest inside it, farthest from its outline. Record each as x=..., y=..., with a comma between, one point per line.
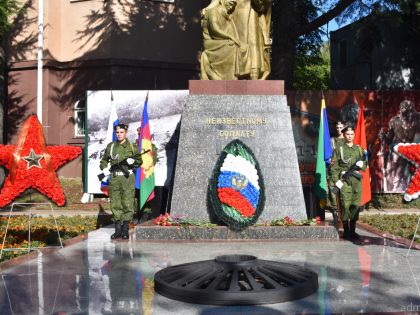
x=149, y=231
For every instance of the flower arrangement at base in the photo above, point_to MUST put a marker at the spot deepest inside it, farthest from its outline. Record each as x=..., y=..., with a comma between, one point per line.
x=237, y=188
x=177, y=220
x=287, y=222
x=33, y=164
x=411, y=153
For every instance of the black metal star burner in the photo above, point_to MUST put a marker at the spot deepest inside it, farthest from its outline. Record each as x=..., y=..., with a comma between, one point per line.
x=236, y=280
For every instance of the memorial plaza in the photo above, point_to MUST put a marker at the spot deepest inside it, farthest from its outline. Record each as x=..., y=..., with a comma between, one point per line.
x=94, y=275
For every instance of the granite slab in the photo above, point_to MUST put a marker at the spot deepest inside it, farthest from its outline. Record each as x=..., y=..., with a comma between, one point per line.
x=146, y=231
x=263, y=122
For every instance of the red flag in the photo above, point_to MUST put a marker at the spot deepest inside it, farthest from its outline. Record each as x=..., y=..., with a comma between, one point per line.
x=360, y=139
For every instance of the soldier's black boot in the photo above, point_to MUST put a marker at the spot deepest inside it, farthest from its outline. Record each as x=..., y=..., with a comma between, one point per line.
x=353, y=233
x=126, y=227
x=346, y=234
x=335, y=216
x=118, y=231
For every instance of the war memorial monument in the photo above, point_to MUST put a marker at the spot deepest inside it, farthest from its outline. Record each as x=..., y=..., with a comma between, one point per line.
x=235, y=103
x=236, y=162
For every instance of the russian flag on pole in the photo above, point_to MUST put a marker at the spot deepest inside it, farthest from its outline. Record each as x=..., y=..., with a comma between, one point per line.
x=110, y=136
x=145, y=175
x=360, y=139
x=324, y=154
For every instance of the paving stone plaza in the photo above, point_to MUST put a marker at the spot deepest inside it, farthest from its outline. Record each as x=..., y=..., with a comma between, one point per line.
x=94, y=275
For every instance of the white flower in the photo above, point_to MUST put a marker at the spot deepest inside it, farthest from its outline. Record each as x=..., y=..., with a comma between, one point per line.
x=407, y=197
x=240, y=165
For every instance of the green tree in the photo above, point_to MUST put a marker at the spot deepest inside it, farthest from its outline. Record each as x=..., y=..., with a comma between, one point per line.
x=297, y=28
x=8, y=10
x=312, y=69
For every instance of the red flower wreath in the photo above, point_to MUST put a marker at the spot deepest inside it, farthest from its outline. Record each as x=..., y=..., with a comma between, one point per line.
x=234, y=199
x=40, y=173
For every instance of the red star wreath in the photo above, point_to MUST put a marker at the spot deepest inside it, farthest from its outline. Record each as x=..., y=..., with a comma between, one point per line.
x=33, y=164
x=411, y=152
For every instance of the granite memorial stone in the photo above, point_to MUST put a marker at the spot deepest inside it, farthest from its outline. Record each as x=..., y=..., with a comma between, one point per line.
x=263, y=122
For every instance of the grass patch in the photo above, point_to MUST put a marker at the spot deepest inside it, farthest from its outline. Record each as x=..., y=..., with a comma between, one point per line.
x=402, y=225
x=391, y=201
x=43, y=231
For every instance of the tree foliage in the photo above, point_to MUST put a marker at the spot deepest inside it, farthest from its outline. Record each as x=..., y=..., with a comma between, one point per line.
x=312, y=61
x=312, y=69
x=297, y=29
x=9, y=9
x=397, y=13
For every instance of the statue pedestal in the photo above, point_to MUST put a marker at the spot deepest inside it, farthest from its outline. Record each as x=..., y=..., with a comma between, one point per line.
x=256, y=112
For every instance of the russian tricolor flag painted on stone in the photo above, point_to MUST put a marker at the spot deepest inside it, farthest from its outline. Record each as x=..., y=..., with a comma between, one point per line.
x=145, y=175
x=110, y=136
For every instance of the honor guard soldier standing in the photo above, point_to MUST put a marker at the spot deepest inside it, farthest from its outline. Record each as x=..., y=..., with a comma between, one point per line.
x=346, y=154
x=332, y=199
x=121, y=186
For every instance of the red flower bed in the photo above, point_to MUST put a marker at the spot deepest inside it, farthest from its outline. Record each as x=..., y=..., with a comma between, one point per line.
x=412, y=152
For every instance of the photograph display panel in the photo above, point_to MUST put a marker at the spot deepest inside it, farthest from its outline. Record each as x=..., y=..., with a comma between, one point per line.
x=164, y=110
x=384, y=122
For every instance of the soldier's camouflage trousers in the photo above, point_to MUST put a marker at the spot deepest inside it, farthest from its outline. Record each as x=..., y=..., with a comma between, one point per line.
x=350, y=199
x=121, y=193
x=332, y=198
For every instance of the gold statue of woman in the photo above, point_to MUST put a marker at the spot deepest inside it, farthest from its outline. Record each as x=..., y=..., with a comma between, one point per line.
x=236, y=40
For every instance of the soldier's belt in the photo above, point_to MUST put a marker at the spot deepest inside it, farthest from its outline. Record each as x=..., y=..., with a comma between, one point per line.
x=118, y=173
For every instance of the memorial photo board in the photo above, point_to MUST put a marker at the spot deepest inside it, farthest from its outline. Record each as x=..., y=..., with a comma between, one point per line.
x=164, y=109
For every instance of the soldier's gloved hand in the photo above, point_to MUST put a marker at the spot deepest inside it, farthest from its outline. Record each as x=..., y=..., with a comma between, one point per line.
x=130, y=161
x=339, y=184
x=106, y=172
x=359, y=164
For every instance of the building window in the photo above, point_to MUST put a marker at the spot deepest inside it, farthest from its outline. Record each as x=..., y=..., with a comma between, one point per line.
x=342, y=52
x=79, y=117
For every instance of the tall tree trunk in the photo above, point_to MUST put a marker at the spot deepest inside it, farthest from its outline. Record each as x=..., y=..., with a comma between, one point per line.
x=283, y=46
x=2, y=83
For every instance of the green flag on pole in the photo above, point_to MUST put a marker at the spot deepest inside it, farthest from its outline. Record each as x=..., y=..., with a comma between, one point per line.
x=324, y=154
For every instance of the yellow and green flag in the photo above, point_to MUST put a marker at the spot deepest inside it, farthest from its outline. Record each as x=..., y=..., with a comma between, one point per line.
x=145, y=175
x=323, y=157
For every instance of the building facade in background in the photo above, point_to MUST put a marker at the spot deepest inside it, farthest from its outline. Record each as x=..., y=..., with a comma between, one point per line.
x=392, y=65
x=89, y=45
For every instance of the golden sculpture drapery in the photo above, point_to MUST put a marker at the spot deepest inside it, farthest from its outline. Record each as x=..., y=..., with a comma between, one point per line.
x=236, y=40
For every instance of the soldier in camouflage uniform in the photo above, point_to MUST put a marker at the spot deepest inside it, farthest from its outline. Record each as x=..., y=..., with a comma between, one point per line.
x=121, y=188
x=350, y=196
x=332, y=199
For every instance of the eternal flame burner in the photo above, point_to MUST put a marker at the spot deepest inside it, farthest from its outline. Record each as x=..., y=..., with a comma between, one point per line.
x=236, y=280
